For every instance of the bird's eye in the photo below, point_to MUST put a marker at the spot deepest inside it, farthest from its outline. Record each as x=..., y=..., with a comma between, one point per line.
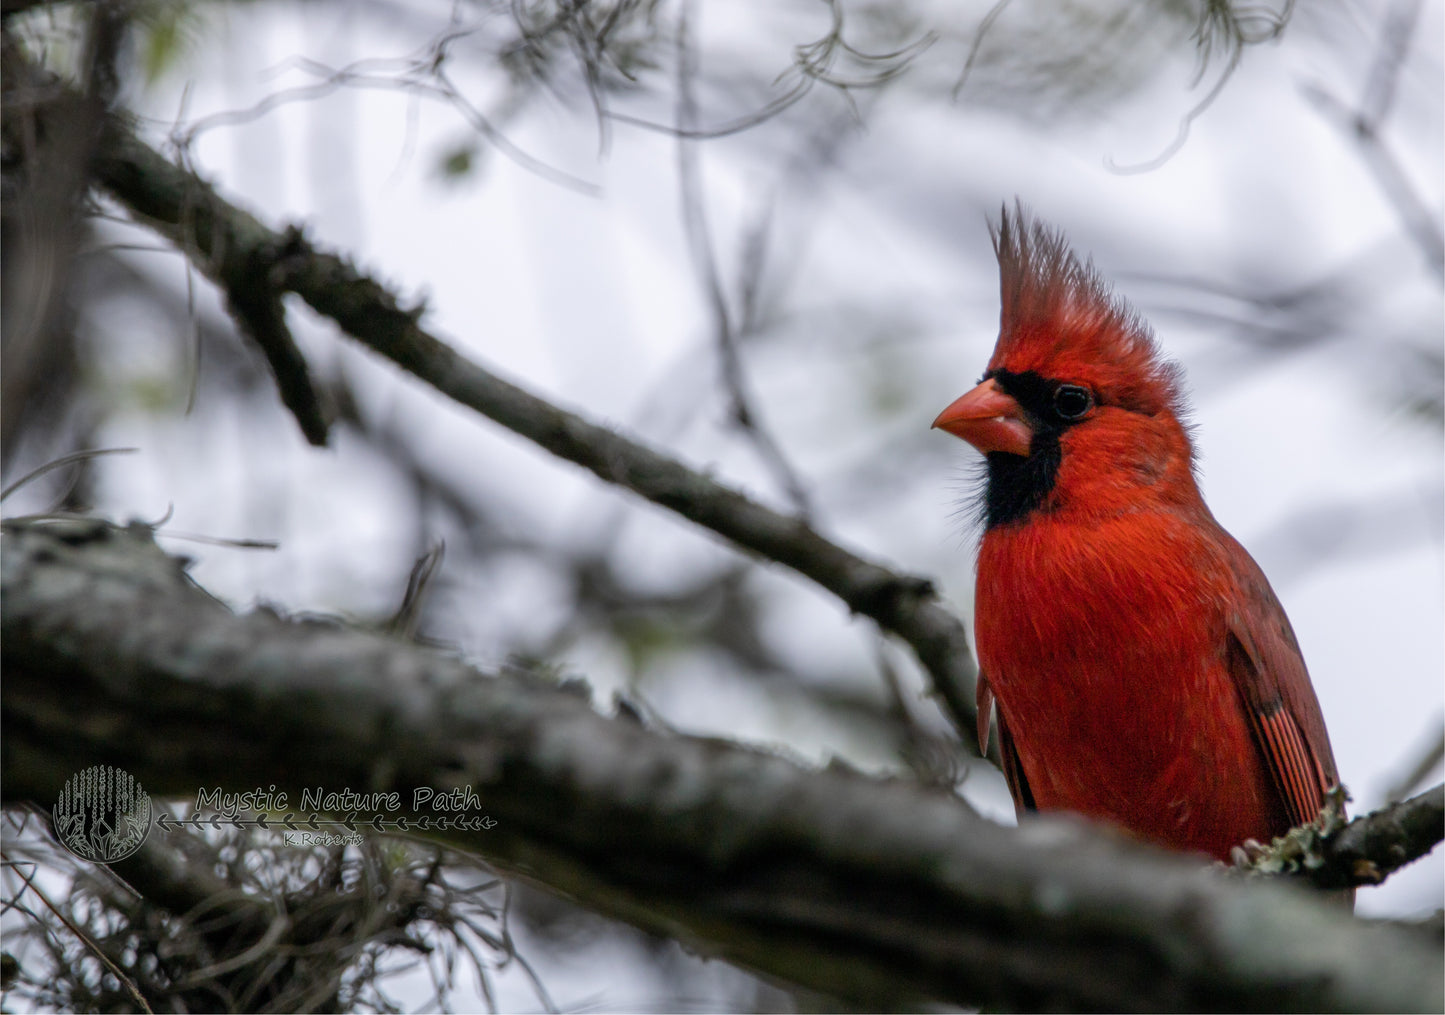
x=1071, y=401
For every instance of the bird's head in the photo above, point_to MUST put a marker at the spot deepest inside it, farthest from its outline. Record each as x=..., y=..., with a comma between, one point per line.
x=1077, y=404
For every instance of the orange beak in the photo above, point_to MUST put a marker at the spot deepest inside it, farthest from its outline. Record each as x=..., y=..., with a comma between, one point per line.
x=989, y=420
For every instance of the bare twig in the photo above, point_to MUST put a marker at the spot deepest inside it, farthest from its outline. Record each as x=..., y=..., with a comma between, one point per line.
x=105, y=34
x=978, y=39
x=1364, y=125
x=85, y=939
x=694, y=218
x=1370, y=848
x=1237, y=28
x=61, y=462
x=1419, y=769
x=813, y=63
x=256, y=307
x=1334, y=854
x=932, y=759
x=1395, y=37
x=423, y=74
x=404, y=621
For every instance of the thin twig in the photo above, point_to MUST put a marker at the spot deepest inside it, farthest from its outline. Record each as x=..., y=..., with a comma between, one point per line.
x=1218, y=18
x=84, y=938
x=63, y=460
x=423, y=74
x=978, y=38
x=813, y=63
x=1364, y=125
x=1395, y=37
x=1422, y=767
x=695, y=224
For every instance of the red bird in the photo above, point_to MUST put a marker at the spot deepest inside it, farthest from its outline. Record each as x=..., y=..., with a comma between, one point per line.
x=1134, y=659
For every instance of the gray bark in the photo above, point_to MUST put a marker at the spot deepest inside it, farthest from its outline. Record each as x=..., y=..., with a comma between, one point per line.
x=873, y=890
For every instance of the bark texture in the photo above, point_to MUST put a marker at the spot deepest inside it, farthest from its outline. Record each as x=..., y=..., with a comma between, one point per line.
x=872, y=890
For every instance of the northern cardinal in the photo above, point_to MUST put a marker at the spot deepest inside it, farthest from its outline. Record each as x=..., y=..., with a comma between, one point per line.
x=1135, y=662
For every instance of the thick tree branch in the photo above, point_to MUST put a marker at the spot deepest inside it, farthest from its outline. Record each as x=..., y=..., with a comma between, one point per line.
x=873, y=890
x=225, y=240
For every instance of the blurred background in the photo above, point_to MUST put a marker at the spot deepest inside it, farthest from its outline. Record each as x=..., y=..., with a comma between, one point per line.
x=755, y=235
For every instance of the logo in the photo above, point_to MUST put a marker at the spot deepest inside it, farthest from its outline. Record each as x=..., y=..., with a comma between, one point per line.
x=103, y=815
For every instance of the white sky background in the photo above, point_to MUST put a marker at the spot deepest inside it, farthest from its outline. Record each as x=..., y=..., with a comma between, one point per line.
x=883, y=270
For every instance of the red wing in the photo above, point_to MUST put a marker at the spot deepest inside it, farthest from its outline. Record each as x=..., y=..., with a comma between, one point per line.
x=1013, y=769
x=1269, y=672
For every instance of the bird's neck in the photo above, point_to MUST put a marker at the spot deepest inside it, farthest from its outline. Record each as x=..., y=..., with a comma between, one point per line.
x=1108, y=467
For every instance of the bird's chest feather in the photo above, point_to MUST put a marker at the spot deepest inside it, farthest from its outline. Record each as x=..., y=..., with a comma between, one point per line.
x=1103, y=643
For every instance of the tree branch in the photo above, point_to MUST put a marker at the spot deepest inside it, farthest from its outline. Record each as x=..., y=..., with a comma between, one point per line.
x=1364, y=124
x=36, y=103
x=256, y=306
x=223, y=240
x=1331, y=853
x=1373, y=846
x=877, y=891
